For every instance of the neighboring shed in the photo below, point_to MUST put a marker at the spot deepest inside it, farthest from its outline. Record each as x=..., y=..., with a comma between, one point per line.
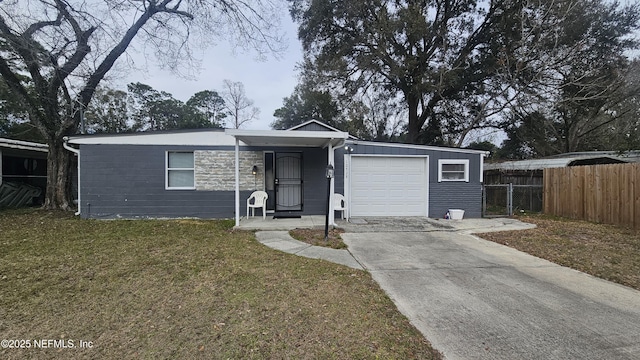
x=23, y=172
x=210, y=173
x=529, y=172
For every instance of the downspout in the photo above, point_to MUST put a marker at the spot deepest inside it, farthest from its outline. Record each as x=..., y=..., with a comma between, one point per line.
x=66, y=145
x=331, y=161
x=482, y=156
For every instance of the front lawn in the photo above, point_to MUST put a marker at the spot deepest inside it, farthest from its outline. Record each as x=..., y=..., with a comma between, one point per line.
x=606, y=251
x=184, y=289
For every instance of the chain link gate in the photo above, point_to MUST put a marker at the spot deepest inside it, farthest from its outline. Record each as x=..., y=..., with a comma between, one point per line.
x=505, y=199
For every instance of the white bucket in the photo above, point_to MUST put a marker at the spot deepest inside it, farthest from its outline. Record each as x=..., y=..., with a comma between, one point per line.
x=456, y=214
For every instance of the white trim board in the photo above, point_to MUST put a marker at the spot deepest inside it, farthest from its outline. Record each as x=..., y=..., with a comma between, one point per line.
x=414, y=146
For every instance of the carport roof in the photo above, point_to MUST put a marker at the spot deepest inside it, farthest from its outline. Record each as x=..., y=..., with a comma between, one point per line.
x=23, y=145
x=289, y=138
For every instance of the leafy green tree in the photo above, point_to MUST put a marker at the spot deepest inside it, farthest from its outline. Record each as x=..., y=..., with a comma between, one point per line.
x=369, y=115
x=108, y=112
x=14, y=118
x=625, y=133
x=583, y=83
x=374, y=115
x=158, y=110
x=425, y=51
x=461, y=65
x=145, y=103
x=486, y=146
x=210, y=105
x=307, y=104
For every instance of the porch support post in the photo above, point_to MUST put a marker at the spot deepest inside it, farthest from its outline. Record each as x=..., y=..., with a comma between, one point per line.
x=331, y=160
x=237, y=182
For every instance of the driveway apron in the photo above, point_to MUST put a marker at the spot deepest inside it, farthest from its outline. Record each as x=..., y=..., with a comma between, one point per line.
x=475, y=299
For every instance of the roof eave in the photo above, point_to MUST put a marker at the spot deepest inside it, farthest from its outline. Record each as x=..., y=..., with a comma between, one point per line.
x=288, y=138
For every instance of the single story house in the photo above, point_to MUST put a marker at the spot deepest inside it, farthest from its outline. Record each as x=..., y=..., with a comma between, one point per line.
x=23, y=172
x=209, y=173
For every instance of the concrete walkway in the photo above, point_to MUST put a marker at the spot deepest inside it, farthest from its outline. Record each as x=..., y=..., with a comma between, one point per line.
x=281, y=240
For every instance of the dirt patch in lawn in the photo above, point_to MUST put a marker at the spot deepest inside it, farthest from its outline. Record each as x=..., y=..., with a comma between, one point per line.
x=316, y=237
x=606, y=251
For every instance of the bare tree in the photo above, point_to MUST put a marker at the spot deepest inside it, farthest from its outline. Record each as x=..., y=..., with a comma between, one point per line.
x=238, y=105
x=54, y=53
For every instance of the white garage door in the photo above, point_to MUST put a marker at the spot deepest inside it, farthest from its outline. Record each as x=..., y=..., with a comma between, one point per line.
x=389, y=186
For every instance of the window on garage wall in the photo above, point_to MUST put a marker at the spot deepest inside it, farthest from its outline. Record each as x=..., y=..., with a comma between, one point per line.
x=180, y=170
x=453, y=170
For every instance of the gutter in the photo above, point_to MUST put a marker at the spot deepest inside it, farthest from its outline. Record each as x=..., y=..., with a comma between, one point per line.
x=66, y=145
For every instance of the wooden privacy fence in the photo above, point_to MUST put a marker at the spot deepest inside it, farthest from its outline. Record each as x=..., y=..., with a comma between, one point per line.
x=600, y=193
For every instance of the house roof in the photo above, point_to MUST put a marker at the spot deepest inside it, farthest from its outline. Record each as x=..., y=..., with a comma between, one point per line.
x=289, y=138
x=226, y=137
x=198, y=137
x=217, y=137
x=321, y=124
x=318, y=123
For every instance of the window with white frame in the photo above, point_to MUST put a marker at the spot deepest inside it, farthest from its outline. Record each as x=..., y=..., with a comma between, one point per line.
x=180, y=170
x=453, y=170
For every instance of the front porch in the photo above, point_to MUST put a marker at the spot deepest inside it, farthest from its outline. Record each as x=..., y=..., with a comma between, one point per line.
x=305, y=222
x=285, y=169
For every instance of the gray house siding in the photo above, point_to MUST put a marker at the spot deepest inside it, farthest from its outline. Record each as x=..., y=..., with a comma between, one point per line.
x=338, y=183
x=128, y=181
x=315, y=164
x=455, y=195
x=466, y=196
x=442, y=195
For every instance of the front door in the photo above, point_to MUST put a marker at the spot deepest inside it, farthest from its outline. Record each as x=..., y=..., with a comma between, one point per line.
x=288, y=181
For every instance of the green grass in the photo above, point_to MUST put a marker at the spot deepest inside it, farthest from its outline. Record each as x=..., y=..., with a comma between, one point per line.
x=150, y=289
x=606, y=251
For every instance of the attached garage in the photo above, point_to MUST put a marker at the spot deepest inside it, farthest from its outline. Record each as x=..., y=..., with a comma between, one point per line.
x=382, y=185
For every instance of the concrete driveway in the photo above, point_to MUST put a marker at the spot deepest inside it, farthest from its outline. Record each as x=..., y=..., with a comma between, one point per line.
x=475, y=299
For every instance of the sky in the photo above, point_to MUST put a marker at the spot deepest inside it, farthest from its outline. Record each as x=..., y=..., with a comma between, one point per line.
x=266, y=82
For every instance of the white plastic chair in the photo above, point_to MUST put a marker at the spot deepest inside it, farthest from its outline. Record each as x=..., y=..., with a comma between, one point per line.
x=259, y=201
x=339, y=204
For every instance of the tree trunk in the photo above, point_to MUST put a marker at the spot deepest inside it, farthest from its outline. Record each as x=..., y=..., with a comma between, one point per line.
x=413, y=130
x=58, y=177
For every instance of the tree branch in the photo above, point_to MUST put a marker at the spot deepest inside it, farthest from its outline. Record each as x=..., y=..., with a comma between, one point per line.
x=90, y=86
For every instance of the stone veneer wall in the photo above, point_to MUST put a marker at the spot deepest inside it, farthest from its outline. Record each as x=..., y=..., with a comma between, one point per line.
x=215, y=170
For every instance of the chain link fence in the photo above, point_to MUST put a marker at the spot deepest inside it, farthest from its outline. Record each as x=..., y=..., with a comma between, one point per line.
x=507, y=199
